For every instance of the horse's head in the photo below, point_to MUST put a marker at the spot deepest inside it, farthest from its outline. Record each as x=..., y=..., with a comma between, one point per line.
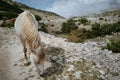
x=39, y=59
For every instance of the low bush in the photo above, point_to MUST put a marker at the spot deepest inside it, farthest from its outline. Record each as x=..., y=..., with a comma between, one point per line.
x=52, y=25
x=4, y=6
x=113, y=45
x=84, y=21
x=5, y=15
x=105, y=19
x=42, y=27
x=38, y=18
x=101, y=19
x=68, y=26
x=8, y=23
x=102, y=30
x=97, y=31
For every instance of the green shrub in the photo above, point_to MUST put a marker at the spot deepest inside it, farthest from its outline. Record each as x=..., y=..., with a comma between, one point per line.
x=38, y=18
x=8, y=23
x=68, y=26
x=52, y=25
x=42, y=27
x=97, y=31
x=100, y=18
x=105, y=19
x=102, y=30
x=5, y=15
x=4, y=6
x=113, y=45
x=84, y=21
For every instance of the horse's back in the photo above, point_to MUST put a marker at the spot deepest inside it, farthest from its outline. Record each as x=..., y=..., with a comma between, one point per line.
x=21, y=21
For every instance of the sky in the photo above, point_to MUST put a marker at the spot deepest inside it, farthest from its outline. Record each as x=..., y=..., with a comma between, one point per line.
x=69, y=8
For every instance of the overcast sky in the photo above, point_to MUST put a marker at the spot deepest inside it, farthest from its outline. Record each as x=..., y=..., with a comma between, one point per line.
x=68, y=8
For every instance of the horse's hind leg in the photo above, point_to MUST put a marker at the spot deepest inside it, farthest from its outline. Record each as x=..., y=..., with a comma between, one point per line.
x=38, y=65
x=25, y=52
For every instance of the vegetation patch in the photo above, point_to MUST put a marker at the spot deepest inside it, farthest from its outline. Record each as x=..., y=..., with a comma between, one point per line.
x=42, y=27
x=9, y=10
x=98, y=30
x=8, y=23
x=84, y=21
x=101, y=18
x=68, y=26
x=5, y=15
x=105, y=29
x=4, y=6
x=38, y=18
x=113, y=45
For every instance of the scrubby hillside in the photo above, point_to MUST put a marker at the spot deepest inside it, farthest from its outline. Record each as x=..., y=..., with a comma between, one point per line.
x=88, y=27
x=9, y=10
x=42, y=13
x=77, y=48
x=13, y=6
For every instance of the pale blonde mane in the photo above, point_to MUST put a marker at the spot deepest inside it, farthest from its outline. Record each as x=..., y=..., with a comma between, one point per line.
x=30, y=32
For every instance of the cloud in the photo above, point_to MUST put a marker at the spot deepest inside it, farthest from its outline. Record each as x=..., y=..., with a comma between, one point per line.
x=68, y=8
x=38, y=4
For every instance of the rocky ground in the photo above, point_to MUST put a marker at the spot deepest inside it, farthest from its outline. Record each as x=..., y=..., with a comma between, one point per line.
x=65, y=60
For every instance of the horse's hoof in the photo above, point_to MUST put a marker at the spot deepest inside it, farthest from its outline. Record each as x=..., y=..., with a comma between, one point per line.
x=43, y=74
x=27, y=63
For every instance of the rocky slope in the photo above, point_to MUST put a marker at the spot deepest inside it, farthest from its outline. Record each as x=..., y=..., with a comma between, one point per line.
x=65, y=60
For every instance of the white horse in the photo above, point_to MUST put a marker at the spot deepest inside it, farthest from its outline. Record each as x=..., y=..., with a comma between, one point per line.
x=26, y=28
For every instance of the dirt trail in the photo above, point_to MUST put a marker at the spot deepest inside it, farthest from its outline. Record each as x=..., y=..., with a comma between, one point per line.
x=4, y=56
x=12, y=58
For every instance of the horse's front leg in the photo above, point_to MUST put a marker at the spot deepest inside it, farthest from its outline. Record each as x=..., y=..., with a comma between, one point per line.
x=26, y=63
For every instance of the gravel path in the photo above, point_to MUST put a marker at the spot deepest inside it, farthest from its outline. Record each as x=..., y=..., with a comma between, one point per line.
x=12, y=58
x=66, y=61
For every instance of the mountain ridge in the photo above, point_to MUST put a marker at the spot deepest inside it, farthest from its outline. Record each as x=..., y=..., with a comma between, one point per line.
x=14, y=6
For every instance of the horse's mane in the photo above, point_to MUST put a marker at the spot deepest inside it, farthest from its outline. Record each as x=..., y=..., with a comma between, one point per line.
x=30, y=31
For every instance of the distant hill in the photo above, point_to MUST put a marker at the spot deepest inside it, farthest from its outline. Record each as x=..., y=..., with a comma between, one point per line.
x=10, y=9
x=53, y=23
